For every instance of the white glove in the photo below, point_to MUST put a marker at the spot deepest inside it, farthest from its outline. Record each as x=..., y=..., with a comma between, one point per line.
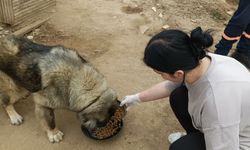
x=130, y=100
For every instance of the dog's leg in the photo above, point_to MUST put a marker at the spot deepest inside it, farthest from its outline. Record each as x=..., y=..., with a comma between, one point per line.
x=7, y=103
x=15, y=118
x=47, y=119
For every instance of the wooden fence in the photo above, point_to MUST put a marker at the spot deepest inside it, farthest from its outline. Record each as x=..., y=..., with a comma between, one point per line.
x=15, y=12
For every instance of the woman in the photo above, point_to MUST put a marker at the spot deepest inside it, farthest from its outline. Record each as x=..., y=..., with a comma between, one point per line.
x=209, y=93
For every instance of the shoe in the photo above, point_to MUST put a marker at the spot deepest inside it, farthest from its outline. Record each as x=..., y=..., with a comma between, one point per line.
x=244, y=59
x=175, y=136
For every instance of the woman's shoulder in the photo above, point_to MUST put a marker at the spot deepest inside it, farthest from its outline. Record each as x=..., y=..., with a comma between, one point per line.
x=225, y=68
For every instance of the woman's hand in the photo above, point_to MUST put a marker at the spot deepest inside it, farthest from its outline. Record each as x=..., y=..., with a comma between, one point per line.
x=130, y=100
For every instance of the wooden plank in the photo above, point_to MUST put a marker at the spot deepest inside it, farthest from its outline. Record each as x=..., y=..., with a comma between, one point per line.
x=17, y=11
x=1, y=13
x=7, y=11
x=30, y=27
x=22, y=5
x=30, y=5
x=31, y=18
x=33, y=9
x=34, y=15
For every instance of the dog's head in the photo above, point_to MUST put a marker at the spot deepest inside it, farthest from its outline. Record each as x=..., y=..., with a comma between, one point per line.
x=100, y=111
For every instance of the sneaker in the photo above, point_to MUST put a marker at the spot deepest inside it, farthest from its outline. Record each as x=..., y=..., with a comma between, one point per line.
x=175, y=136
x=244, y=59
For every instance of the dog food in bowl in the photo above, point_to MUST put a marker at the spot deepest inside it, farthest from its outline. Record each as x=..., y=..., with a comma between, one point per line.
x=112, y=127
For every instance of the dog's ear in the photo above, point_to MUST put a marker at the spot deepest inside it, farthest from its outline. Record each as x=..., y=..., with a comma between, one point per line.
x=109, y=96
x=110, y=99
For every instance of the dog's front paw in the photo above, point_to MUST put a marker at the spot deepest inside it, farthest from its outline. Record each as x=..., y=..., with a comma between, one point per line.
x=16, y=119
x=55, y=135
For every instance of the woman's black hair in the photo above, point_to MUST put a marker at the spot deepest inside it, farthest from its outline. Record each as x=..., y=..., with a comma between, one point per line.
x=172, y=50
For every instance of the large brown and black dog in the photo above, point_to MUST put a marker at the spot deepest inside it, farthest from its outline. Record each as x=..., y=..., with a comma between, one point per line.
x=57, y=77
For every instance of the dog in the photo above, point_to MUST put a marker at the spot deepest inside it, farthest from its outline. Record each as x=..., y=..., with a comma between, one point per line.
x=56, y=77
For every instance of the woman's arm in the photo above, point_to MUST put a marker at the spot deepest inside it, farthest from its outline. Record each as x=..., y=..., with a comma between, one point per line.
x=160, y=90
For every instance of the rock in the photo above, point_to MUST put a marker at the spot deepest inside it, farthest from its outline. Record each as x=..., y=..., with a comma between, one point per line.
x=36, y=32
x=143, y=28
x=194, y=21
x=30, y=37
x=6, y=32
x=165, y=26
x=230, y=12
x=225, y=23
x=160, y=15
x=97, y=51
x=154, y=9
x=1, y=28
x=142, y=13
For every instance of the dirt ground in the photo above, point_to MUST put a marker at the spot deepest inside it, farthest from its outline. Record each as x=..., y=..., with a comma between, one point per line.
x=112, y=35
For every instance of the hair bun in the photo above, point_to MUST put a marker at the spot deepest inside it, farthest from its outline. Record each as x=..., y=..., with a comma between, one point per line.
x=201, y=39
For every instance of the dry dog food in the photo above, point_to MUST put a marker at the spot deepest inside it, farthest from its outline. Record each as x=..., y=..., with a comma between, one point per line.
x=112, y=127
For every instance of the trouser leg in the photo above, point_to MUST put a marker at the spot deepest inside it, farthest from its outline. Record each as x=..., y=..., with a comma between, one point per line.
x=243, y=46
x=194, y=140
x=179, y=104
x=235, y=27
x=242, y=53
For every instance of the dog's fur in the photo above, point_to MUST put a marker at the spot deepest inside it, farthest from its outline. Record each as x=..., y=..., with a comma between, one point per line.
x=57, y=77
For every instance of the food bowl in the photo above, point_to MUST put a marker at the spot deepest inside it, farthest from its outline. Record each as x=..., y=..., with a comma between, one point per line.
x=112, y=128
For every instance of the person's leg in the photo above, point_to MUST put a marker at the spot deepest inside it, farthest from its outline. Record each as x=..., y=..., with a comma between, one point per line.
x=242, y=53
x=244, y=44
x=192, y=141
x=179, y=104
x=235, y=27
